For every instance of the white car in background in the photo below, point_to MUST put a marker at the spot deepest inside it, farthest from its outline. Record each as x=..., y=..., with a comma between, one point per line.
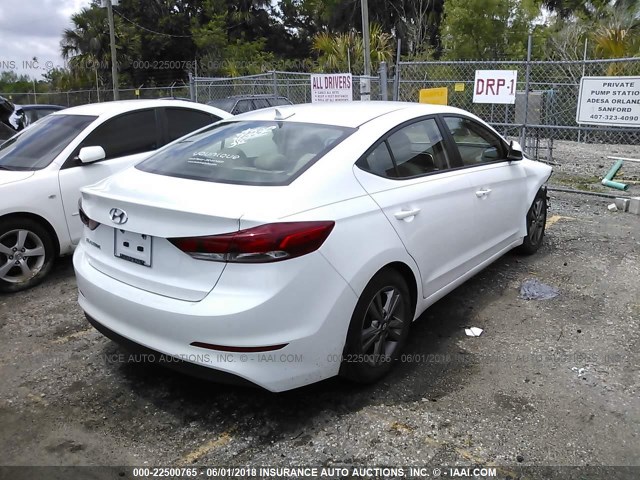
x=289, y=245
x=43, y=167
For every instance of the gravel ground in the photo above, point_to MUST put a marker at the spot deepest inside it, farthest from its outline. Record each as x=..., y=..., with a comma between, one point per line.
x=548, y=383
x=583, y=165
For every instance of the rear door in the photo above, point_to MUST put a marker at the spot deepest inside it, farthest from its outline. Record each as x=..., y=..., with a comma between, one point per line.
x=497, y=186
x=408, y=174
x=126, y=139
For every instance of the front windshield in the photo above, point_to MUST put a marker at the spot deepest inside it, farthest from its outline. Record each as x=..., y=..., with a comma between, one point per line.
x=247, y=153
x=38, y=145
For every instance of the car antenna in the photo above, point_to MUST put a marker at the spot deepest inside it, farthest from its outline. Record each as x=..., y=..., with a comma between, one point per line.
x=280, y=116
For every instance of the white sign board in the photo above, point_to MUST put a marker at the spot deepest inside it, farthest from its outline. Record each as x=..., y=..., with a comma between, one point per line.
x=609, y=101
x=331, y=87
x=495, y=86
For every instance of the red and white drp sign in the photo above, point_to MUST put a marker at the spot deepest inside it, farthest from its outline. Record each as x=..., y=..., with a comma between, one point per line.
x=495, y=86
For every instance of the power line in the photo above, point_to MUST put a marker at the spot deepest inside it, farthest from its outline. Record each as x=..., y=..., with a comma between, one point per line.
x=151, y=31
x=167, y=34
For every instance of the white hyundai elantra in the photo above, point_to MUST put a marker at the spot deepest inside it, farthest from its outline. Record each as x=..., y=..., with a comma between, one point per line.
x=289, y=245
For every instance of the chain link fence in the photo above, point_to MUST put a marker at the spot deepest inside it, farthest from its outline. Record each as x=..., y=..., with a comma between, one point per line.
x=549, y=112
x=293, y=85
x=544, y=115
x=82, y=97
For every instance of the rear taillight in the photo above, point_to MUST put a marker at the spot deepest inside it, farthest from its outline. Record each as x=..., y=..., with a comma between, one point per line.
x=91, y=224
x=267, y=243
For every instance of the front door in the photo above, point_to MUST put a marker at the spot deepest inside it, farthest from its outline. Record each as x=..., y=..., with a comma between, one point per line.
x=126, y=140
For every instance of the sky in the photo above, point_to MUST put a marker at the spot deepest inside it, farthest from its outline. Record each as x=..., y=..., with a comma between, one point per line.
x=33, y=28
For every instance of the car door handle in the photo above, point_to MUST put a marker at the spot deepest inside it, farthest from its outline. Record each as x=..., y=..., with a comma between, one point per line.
x=403, y=214
x=483, y=192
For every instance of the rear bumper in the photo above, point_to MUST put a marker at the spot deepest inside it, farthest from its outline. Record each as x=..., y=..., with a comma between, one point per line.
x=172, y=362
x=308, y=308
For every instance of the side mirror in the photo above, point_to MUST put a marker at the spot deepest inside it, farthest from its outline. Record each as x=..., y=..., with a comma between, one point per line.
x=490, y=154
x=515, y=152
x=91, y=154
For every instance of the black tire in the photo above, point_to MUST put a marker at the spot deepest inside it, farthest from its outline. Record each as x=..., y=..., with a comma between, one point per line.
x=536, y=224
x=33, y=249
x=367, y=362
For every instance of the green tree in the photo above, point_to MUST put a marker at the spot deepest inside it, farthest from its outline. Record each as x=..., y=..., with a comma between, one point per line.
x=86, y=46
x=487, y=29
x=344, y=52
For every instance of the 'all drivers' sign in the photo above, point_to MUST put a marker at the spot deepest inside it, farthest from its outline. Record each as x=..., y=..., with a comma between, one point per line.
x=495, y=86
x=331, y=87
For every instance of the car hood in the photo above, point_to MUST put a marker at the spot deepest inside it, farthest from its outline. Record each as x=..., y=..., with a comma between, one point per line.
x=7, y=176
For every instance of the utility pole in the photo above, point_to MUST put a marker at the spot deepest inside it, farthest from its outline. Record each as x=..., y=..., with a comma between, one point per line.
x=114, y=60
x=365, y=83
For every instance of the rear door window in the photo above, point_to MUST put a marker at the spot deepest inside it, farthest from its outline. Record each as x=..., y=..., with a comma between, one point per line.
x=279, y=101
x=181, y=121
x=243, y=106
x=413, y=150
x=261, y=103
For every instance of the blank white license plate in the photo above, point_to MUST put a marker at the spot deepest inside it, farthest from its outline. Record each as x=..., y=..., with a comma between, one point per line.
x=133, y=247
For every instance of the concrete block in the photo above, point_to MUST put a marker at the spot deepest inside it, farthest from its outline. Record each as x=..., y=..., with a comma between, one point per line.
x=634, y=205
x=622, y=204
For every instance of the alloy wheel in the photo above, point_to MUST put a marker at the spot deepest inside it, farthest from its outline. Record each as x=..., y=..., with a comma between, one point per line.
x=22, y=255
x=382, y=326
x=537, y=221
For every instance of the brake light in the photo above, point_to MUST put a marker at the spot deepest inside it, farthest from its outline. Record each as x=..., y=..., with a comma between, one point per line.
x=91, y=224
x=267, y=243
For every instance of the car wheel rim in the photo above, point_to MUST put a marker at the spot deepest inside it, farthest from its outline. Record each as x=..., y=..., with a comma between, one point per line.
x=22, y=255
x=537, y=221
x=382, y=326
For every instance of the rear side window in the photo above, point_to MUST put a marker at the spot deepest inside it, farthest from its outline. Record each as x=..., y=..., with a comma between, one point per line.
x=243, y=106
x=128, y=134
x=379, y=162
x=477, y=145
x=279, y=101
x=260, y=103
x=181, y=121
x=248, y=153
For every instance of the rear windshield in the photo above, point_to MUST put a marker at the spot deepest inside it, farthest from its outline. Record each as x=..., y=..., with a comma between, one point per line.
x=247, y=153
x=36, y=147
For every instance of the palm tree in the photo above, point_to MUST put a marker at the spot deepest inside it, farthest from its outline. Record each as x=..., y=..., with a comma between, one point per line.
x=86, y=45
x=618, y=35
x=344, y=51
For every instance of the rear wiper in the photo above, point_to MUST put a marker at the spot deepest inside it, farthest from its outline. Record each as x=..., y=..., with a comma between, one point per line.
x=2, y=167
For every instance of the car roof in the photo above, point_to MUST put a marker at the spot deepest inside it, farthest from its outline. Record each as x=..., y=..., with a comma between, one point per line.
x=39, y=106
x=122, y=106
x=343, y=114
x=257, y=95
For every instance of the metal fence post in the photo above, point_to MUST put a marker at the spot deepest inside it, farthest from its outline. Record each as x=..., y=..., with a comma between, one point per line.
x=396, y=77
x=523, y=132
x=274, y=74
x=192, y=87
x=384, y=93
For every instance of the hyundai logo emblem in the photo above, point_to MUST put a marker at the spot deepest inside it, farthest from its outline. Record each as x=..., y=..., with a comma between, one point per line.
x=118, y=216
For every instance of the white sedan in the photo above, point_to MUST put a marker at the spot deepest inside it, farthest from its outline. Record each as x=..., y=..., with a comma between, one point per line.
x=289, y=245
x=43, y=167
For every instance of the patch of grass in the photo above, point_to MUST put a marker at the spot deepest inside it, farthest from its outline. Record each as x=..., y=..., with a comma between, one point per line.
x=578, y=182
